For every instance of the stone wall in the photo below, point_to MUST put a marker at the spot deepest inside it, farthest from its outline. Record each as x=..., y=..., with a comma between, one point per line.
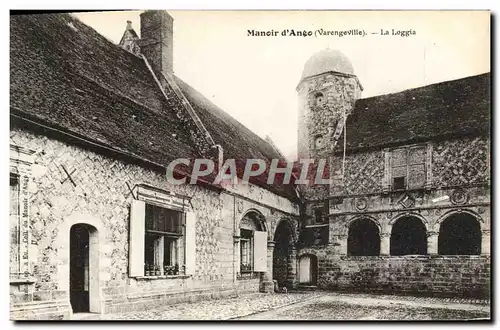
x=457, y=173
x=457, y=183
x=422, y=275
x=426, y=275
x=69, y=183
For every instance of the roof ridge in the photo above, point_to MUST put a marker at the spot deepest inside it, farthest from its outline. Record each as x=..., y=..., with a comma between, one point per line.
x=425, y=86
x=219, y=109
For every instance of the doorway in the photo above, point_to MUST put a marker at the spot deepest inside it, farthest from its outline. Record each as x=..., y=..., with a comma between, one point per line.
x=283, y=271
x=83, y=269
x=308, y=265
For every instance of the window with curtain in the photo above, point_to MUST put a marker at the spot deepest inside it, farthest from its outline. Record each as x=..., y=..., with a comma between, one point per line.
x=163, y=236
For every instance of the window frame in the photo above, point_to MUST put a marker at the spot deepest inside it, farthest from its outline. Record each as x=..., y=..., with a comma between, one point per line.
x=323, y=208
x=248, y=239
x=408, y=165
x=159, y=247
x=319, y=98
x=146, y=195
x=252, y=232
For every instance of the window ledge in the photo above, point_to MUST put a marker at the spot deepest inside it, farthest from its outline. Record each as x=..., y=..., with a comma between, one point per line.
x=248, y=275
x=317, y=226
x=26, y=280
x=161, y=277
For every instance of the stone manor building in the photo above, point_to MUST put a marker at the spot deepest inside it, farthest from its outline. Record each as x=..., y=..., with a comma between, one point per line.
x=96, y=227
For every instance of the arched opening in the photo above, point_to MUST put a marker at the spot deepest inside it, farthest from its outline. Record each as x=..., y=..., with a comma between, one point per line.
x=363, y=238
x=253, y=243
x=282, y=262
x=408, y=236
x=460, y=234
x=84, y=269
x=308, y=269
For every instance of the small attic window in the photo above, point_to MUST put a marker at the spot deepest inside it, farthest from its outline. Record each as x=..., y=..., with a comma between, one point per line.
x=70, y=24
x=319, y=99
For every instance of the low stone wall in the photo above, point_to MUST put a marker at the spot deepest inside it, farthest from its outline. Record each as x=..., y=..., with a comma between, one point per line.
x=41, y=310
x=248, y=285
x=425, y=275
x=122, y=299
x=156, y=300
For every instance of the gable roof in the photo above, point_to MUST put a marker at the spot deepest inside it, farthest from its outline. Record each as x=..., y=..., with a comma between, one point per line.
x=66, y=75
x=443, y=110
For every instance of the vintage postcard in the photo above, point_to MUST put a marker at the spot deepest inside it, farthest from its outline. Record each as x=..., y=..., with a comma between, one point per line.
x=250, y=165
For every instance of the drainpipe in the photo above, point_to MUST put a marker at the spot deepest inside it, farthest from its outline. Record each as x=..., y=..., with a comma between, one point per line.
x=234, y=245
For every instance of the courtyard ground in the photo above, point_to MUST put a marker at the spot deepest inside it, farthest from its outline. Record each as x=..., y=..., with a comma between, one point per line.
x=313, y=305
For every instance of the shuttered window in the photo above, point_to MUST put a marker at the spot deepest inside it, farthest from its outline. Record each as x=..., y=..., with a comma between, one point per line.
x=246, y=250
x=253, y=251
x=260, y=251
x=408, y=169
x=162, y=241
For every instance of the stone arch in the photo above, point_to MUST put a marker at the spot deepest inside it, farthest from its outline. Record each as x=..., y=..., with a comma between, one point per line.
x=253, y=239
x=363, y=237
x=408, y=214
x=290, y=225
x=408, y=235
x=96, y=237
x=359, y=217
x=257, y=217
x=446, y=215
x=460, y=234
x=307, y=251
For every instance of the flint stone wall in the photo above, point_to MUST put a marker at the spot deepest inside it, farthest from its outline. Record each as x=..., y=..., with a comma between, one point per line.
x=101, y=192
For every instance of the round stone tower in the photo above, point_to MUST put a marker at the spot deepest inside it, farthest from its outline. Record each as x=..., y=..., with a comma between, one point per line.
x=326, y=94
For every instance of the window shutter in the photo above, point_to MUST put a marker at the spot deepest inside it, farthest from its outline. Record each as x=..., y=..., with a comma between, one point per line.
x=190, y=243
x=386, y=180
x=428, y=166
x=260, y=251
x=136, y=240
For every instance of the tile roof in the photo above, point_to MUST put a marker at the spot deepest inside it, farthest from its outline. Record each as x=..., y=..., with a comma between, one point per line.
x=443, y=110
x=69, y=76
x=65, y=74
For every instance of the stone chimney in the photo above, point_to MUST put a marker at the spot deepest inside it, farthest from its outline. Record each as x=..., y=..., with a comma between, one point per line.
x=157, y=40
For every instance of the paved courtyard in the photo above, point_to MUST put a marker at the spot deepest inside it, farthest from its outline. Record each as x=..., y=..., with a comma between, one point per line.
x=313, y=306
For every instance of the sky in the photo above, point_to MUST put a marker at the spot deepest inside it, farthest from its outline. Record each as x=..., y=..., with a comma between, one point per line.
x=254, y=78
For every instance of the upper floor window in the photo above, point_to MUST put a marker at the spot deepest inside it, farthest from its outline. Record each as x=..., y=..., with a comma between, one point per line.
x=318, y=142
x=408, y=168
x=320, y=213
x=319, y=99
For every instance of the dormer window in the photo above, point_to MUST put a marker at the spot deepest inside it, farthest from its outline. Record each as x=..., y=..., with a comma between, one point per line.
x=319, y=99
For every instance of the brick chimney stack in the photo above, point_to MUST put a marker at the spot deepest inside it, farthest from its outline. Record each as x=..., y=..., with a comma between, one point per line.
x=157, y=40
